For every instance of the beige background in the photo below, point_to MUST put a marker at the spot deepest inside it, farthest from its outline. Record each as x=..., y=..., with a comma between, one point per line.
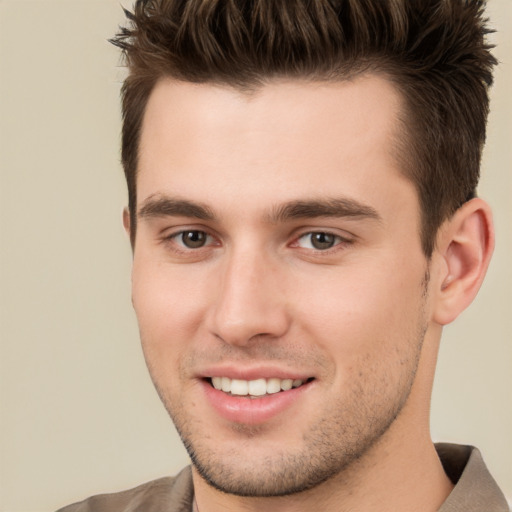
x=78, y=413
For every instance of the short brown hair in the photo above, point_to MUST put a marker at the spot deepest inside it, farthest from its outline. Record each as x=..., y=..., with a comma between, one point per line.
x=434, y=51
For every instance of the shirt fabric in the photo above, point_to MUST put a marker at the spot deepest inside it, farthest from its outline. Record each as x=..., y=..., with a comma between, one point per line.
x=475, y=489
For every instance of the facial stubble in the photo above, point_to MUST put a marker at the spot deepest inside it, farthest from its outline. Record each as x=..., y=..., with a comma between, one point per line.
x=347, y=430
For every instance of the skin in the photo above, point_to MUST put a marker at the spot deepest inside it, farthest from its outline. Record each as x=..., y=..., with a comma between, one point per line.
x=361, y=319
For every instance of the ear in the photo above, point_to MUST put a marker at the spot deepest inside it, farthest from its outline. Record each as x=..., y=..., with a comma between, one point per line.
x=464, y=248
x=126, y=220
x=127, y=224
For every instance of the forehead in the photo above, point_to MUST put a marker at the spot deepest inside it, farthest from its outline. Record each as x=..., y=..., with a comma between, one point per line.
x=285, y=140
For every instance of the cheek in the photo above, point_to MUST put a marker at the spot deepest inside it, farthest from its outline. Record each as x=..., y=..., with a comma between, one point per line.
x=357, y=311
x=169, y=307
x=371, y=329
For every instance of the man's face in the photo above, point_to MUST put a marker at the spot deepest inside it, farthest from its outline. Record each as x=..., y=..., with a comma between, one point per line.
x=278, y=246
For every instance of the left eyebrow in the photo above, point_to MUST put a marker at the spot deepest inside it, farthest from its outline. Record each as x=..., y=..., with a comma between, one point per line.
x=164, y=206
x=334, y=207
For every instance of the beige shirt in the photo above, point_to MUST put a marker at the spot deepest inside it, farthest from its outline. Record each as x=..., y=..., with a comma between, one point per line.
x=475, y=489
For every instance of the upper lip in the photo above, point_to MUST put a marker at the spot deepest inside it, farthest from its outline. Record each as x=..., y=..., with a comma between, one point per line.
x=253, y=373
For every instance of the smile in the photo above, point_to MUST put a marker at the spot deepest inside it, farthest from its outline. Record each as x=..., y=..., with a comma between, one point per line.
x=255, y=388
x=255, y=401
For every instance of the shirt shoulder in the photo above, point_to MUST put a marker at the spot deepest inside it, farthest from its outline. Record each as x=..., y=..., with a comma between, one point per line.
x=173, y=494
x=475, y=490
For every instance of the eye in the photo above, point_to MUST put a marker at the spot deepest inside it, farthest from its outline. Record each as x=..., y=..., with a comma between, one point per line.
x=192, y=239
x=318, y=240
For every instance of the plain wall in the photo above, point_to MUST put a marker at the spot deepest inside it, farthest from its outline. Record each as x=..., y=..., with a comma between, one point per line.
x=79, y=415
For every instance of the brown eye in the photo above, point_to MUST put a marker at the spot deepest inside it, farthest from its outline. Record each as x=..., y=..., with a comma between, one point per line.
x=322, y=241
x=193, y=239
x=319, y=240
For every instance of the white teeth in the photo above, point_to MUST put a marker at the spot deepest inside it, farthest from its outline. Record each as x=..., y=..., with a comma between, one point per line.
x=217, y=382
x=239, y=387
x=286, y=384
x=258, y=387
x=273, y=385
x=226, y=384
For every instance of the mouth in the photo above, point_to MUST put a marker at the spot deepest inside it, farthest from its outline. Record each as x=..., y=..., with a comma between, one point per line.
x=263, y=395
x=256, y=388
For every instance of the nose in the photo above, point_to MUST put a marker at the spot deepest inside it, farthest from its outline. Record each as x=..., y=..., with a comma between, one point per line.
x=250, y=303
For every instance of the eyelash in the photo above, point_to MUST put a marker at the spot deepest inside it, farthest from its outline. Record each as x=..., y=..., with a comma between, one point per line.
x=172, y=239
x=340, y=242
x=178, y=247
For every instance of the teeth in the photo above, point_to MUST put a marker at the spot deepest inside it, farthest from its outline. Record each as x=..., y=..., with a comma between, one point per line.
x=226, y=384
x=217, y=382
x=273, y=385
x=239, y=387
x=258, y=387
x=286, y=384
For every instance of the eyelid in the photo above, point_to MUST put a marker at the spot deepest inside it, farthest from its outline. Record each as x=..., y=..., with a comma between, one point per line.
x=344, y=239
x=171, y=235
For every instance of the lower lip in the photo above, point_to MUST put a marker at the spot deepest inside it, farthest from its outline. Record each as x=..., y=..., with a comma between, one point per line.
x=252, y=411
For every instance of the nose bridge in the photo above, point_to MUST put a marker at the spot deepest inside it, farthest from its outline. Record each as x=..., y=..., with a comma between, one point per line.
x=249, y=302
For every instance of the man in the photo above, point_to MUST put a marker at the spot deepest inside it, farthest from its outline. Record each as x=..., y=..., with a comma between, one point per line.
x=304, y=222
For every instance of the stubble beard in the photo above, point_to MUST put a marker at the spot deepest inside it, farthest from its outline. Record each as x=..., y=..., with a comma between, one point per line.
x=329, y=449
x=347, y=429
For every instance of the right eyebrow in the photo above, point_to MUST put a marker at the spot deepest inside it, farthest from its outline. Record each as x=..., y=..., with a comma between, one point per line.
x=164, y=206
x=330, y=207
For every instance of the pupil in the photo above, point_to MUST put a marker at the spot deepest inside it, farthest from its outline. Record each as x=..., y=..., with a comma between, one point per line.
x=322, y=240
x=193, y=239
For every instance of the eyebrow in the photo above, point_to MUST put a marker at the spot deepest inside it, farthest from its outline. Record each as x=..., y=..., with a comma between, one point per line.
x=332, y=207
x=163, y=206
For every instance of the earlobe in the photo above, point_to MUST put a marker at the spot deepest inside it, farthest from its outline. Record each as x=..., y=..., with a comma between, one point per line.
x=464, y=246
